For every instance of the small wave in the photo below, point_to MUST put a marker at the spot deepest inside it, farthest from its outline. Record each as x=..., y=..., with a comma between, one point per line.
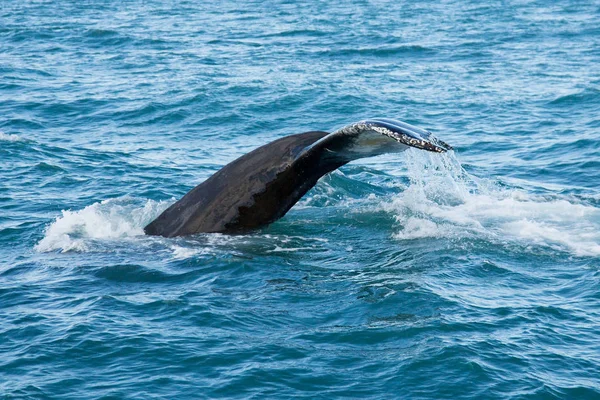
x=106, y=37
x=48, y=168
x=109, y=219
x=7, y=137
x=443, y=200
x=405, y=50
x=132, y=273
x=298, y=33
x=589, y=95
x=101, y=33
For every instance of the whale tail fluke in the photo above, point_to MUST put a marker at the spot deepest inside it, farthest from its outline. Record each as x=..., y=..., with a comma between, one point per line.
x=261, y=186
x=372, y=137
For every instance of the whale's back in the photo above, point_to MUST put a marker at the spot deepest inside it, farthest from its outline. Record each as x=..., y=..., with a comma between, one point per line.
x=251, y=191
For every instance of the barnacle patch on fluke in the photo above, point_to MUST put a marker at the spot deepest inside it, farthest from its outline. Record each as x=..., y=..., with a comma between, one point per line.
x=407, y=134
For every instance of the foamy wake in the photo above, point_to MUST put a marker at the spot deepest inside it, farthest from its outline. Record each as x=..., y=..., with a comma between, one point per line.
x=443, y=200
x=118, y=218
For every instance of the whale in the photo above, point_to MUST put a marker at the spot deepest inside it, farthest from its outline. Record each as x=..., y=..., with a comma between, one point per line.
x=261, y=186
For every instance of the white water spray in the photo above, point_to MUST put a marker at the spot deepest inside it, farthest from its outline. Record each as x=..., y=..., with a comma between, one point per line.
x=111, y=219
x=445, y=201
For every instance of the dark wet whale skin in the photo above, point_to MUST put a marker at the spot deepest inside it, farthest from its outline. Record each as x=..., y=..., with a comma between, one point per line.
x=252, y=191
x=261, y=186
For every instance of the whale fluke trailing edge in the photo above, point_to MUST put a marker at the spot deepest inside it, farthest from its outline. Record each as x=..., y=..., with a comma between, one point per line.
x=261, y=186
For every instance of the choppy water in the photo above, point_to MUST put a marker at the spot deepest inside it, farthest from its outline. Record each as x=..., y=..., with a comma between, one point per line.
x=470, y=275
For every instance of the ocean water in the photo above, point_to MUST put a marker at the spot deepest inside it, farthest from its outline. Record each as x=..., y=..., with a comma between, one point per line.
x=474, y=274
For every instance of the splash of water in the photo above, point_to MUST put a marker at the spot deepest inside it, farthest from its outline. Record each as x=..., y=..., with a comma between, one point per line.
x=117, y=218
x=442, y=201
x=113, y=221
x=445, y=201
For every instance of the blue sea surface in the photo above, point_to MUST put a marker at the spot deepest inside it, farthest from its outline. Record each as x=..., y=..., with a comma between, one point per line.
x=474, y=274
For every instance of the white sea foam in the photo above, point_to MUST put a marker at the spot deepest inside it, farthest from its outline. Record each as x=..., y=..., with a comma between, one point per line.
x=443, y=200
x=9, y=137
x=279, y=249
x=104, y=224
x=118, y=218
x=181, y=252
